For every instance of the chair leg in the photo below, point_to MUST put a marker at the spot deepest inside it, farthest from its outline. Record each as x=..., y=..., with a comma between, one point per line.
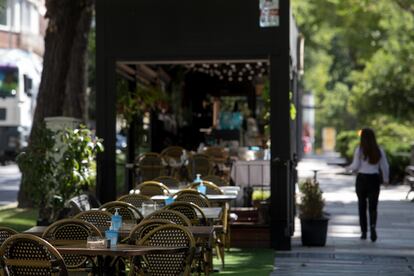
x=228, y=239
x=411, y=189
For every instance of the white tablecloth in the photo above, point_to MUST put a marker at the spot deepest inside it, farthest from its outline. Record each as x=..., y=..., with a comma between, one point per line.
x=249, y=173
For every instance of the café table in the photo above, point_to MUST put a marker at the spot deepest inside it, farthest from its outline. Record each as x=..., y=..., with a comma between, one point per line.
x=226, y=189
x=197, y=231
x=120, y=250
x=212, y=198
x=209, y=212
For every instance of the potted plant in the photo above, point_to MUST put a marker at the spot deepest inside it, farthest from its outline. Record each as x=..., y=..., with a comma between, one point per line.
x=261, y=200
x=314, y=221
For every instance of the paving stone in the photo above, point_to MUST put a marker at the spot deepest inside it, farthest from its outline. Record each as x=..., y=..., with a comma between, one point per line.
x=344, y=253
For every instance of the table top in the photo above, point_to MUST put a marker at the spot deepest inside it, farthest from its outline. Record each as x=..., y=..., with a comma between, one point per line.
x=209, y=212
x=124, y=250
x=197, y=231
x=212, y=198
x=225, y=189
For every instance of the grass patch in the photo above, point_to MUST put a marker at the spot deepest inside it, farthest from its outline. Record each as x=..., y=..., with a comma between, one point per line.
x=18, y=219
x=247, y=261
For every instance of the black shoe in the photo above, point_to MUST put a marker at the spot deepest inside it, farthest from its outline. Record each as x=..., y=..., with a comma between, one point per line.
x=364, y=236
x=373, y=235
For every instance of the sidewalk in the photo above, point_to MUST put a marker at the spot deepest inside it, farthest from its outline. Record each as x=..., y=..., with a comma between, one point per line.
x=345, y=253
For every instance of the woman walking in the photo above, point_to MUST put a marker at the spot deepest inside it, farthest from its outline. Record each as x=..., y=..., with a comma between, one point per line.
x=369, y=162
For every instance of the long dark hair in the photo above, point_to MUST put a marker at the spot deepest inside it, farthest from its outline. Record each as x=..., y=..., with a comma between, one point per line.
x=369, y=146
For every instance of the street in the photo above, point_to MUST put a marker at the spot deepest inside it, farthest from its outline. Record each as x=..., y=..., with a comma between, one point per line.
x=9, y=184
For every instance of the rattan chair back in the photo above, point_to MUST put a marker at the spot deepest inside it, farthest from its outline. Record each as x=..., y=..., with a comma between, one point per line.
x=217, y=180
x=211, y=188
x=25, y=254
x=199, y=164
x=169, y=181
x=217, y=153
x=149, y=166
x=173, y=154
x=83, y=202
x=169, y=235
x=171, y=215
x=193, y=196
x=101, y=219
x=127, y=211
x=5, y=233
x=190, y=210
x=135, y=199
x=71, y=230
x=152, y=188
x=144, y=227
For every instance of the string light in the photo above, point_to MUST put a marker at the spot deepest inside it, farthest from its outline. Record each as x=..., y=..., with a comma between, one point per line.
x=233, y=71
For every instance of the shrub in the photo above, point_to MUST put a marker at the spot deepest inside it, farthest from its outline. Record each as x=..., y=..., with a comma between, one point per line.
x=53, y=173
x=311, y=202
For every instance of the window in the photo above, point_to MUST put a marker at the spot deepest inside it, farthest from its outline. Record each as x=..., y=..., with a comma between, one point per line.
x=9, y=77
x=2, y=114
x=30, y=17
x=4, y=12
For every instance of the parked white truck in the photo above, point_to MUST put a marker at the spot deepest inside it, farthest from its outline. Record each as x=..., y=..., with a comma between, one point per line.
x=20, y=73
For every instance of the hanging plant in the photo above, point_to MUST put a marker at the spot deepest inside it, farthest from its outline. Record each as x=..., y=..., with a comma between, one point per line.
x=134, y=103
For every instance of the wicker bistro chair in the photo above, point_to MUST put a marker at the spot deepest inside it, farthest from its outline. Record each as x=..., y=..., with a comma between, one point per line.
x=169, y=181
x=101, y=219
x=197, y=217
x=82, y=202
x=127, y=211
x=149, y=166
x=220, y=159
x=169, y=235
x=217, y=180
x=135, y=199
x=190, y=210
x=152, y=188
x=222, y=240
x=211, y=188
x=174, y=152
x=199, y=164
x=144, y=227
x=170, y=215
x=72, y=230
x=5, y=233
x=25, y=254
x=174, y=157
x=193, y=196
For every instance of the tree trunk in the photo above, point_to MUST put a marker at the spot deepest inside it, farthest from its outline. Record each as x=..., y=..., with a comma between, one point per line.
x=63, y=83
x=75, y=93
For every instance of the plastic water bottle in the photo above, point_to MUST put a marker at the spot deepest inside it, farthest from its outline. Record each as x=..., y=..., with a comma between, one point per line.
x=116, y=220
x=200, y=188
x=198, y=178
x=169, y=200
x=112, y=235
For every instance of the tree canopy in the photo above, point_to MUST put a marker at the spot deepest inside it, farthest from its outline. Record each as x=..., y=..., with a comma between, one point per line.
x=359, y=60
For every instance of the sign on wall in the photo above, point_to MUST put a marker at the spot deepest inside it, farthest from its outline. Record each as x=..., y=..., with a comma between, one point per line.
x=269, y=13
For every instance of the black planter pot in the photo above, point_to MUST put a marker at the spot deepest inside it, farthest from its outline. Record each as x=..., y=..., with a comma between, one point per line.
x=314, y=231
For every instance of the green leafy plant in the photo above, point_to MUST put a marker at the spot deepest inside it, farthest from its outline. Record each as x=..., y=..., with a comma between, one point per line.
x=134, y=102
x=57, y=171
x=311, y=202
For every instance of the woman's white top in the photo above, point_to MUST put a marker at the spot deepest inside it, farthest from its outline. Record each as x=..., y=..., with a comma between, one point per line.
x=360, y=165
